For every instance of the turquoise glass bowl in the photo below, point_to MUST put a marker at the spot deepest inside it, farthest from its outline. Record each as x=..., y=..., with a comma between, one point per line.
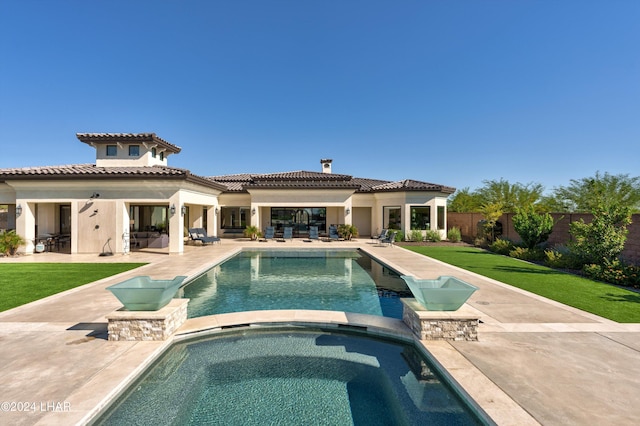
x=442, y=294
x=144, y=294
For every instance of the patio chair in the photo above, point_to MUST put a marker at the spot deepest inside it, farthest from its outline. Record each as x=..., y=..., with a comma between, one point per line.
x=333, y=233
x=313, y=233
x=382, y=235
x=287, y=234
x=199, y=234
x=269, y=233
x=390, y=239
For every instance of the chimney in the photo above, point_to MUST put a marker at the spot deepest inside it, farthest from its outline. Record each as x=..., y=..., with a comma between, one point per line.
x=326, y=165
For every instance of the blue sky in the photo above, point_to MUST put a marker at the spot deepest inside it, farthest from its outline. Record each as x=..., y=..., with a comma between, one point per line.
x=449, y=92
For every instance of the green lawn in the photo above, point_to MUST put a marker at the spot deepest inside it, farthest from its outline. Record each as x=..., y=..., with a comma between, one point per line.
x=607, y=301
x=22, y=283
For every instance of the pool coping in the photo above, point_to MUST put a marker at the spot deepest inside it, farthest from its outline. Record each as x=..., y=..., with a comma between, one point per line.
x=54, y=321
x=496, y=407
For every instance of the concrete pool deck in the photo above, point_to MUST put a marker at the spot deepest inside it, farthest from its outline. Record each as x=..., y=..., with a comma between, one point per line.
x=536, y=361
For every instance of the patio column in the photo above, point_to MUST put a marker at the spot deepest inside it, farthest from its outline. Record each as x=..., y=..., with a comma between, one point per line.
x=176, y=226
x=26, y=225
x=212, y=220
x=255, y=215
x=348, y=213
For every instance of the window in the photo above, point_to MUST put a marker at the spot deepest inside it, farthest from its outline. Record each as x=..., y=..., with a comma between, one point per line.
x=65, y=219
x=134, y=150
x=440, y=218
x=233, y=217
x=149, y=218
x=153, y=152
x=162, y=156
x=299, y=218
x=420, y=218
x=392, y=217
x=112, y=150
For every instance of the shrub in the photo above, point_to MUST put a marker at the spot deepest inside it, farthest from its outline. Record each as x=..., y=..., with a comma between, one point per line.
x=252, y=232
x=501, y=246
x=347, y=231
x=9, y=242
x=533, y=228
x=415, y=235
x=454, y=235
x=525, y=253
x=603, y=239
x=614, y=272
x=480, y=242
x=432, y=235
x=561, y=258
x=399, y=235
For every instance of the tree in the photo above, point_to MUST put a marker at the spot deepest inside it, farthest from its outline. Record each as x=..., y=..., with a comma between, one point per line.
x=464, y=201
x=496, y=192
x=509, y=196
x=603, y=239
x=587, y=194
x=533, y=228
x=491, y=213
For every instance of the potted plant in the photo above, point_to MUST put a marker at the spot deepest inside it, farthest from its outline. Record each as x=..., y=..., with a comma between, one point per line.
x=252, y=232
x=347, y=231
x=9, y=242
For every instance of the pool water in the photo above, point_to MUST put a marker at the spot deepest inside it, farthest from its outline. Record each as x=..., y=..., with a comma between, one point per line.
x=291, y=377
x=336, y=280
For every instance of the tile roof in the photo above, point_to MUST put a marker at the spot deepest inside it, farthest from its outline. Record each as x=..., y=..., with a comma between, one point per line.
x=105, y=138
x=317, y=180
x=93, y=171
x=412, y=185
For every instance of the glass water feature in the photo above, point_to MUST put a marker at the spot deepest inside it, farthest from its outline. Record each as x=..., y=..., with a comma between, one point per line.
x=141, y=293
x=442, y=294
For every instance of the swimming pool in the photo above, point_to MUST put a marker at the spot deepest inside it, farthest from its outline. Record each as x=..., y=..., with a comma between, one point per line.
x=291, y=376
x=336, y=280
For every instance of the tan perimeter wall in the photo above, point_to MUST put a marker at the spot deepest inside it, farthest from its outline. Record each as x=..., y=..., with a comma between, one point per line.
x=468, y=224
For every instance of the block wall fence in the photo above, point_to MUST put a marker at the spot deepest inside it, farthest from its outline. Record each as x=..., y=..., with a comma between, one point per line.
x=468, y=224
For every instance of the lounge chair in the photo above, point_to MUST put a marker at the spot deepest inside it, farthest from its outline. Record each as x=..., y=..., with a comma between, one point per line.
x=313, y=233
x=269, y=233
x=381, y=236
x=333, y=233
x=288, y=233
x=390, y=239
x=199, y=234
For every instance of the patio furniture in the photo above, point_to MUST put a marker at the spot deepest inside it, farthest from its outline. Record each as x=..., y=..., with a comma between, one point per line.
x=269, y=233
x=390, y=239
x=382, y=235
x=140, y=240
x=333, y=233
x=313, y=233
x=287, y=234
x=199, y=234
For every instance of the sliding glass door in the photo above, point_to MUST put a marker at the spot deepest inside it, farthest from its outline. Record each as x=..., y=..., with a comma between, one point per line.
x=299, y=218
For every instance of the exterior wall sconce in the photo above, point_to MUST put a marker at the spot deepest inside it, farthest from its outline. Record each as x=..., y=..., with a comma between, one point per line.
x=253, y=212
x=172, y=209
x=183, y=210
x=18, y=210
x=348, y=210
x=94, y=195
x=216, y=211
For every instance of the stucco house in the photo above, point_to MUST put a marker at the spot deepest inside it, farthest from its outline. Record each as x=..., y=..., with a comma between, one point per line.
x=132, y=199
